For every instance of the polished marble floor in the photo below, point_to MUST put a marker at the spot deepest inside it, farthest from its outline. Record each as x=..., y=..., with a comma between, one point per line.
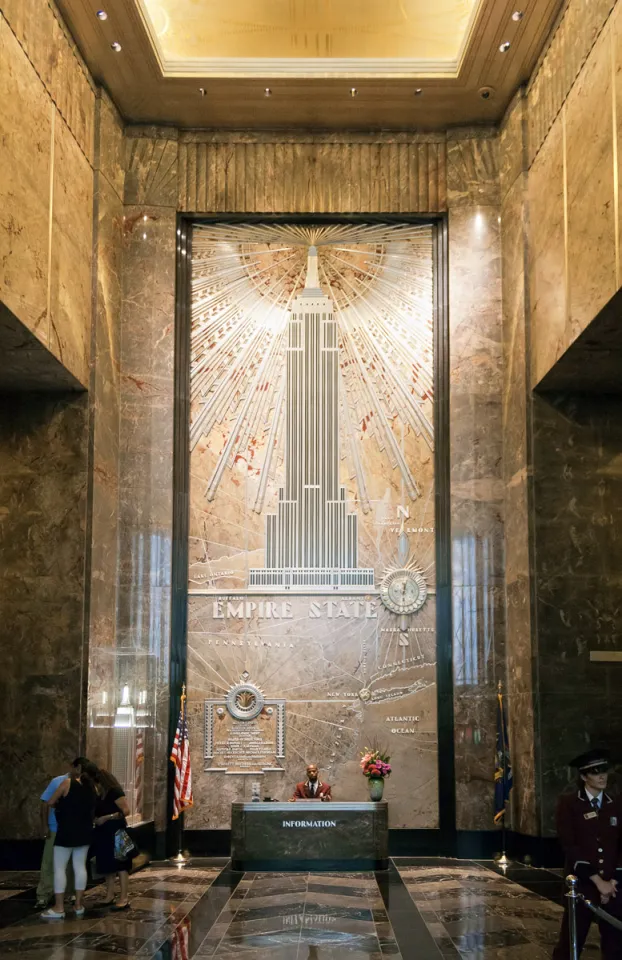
x=419, y=908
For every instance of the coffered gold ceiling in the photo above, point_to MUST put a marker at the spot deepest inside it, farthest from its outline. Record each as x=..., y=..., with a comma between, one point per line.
x=359, y=65
x=426, y=35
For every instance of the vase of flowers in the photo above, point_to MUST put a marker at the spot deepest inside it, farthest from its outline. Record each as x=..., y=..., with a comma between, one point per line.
x=375, y=766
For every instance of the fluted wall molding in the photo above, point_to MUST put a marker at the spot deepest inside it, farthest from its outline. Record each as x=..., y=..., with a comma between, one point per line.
x=312, y=174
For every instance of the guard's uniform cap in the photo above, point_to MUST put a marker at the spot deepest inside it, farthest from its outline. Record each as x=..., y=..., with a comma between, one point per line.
x=590, y=761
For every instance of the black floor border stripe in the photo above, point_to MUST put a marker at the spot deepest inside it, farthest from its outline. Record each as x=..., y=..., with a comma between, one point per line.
x=208, y=908
x=413, y=937
x=537, y=880
x=18, y=907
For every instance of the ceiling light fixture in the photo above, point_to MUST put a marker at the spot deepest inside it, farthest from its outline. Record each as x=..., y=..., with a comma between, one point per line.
x=354, y=92
x=102, y=15
x=267, y=92
x=418, y=92
x=505, y=46
x=517, y=16
x=116, y=46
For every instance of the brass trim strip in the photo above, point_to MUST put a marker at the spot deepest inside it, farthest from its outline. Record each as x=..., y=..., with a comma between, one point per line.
x=565, y=184
x=614, y=134
x=50, y=223
x=606, y=656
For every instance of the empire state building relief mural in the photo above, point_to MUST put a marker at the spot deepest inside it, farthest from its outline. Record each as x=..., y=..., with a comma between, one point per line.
x=312, y=615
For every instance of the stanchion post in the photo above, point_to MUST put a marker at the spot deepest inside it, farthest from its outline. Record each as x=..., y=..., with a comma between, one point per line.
x=573, y=899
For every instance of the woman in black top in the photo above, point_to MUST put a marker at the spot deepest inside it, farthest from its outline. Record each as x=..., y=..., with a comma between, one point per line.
x=110, y=812
x=74, y=800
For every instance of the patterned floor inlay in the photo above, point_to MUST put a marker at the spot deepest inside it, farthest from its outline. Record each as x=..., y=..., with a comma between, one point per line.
x=417, y=910
x=475, y=912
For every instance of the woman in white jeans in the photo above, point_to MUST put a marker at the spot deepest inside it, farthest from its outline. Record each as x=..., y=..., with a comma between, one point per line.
x=74, y=800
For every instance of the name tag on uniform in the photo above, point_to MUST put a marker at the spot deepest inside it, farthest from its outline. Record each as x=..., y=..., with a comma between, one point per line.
x=613, y=821
x=591, y=815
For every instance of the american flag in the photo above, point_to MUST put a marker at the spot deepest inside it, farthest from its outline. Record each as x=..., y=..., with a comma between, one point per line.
x=138, y=779
x=180, y=756
x=180, y=940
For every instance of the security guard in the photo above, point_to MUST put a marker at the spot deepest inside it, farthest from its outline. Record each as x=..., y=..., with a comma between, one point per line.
x=589, y=827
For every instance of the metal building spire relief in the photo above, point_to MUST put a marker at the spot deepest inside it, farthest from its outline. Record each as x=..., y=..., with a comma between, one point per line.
x=312, y=539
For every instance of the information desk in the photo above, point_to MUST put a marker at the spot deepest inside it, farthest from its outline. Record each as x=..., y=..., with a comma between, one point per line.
x=309, y=835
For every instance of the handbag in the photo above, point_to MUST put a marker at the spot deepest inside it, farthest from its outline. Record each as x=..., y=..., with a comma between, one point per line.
x=124, y=846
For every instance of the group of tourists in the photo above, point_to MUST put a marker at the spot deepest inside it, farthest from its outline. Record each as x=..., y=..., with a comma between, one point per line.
x=84, y=809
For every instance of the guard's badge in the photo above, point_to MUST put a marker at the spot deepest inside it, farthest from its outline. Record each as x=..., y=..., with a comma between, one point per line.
x=590, y=815
x=613, y=821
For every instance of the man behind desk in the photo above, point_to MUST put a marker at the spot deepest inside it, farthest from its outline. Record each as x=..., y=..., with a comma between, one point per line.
x=589, y=826
x=313, y=789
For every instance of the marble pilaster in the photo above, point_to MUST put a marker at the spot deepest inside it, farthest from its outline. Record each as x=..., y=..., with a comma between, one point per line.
x=105, y=413
x=146, y=441
x=516, y=468
x=476, y=464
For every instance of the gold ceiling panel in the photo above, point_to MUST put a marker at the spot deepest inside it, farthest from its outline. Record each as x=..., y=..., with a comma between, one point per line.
x=334, y=30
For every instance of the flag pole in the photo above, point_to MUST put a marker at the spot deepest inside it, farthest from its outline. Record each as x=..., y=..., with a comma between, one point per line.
x=503, y=860
x=181, y=859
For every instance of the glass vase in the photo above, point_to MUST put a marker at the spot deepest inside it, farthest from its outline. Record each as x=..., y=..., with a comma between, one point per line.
x=376, y=787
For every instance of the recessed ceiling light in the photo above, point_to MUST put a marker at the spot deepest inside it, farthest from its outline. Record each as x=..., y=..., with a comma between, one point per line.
x=517, y=16
x=267, y=92
x=505, y=46
x=116, y=47
x=102, y=15
x=418, y=92
x=354, y=92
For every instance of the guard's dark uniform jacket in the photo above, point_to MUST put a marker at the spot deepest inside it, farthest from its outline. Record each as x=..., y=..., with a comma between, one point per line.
x=592, y=840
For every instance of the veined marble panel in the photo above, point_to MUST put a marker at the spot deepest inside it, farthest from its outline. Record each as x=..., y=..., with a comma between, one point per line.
x=569, y=47
x=592, y=241
x=25, y=159
x=547, y=255
x=578, y=481
x=70, y=303
x=45, y=40
x=43, y=480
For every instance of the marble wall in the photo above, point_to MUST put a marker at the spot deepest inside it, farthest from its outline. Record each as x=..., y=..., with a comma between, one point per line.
x=46, y=189
x=577, y=466
x=46, y=240
x=164, y=173
x=560, y=232
x=43, y=492
x=573, y=147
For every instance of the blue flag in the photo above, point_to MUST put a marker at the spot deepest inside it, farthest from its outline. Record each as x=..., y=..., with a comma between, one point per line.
x=503, y=766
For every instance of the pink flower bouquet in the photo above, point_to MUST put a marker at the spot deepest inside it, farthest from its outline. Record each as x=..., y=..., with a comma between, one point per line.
x=375, y=764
